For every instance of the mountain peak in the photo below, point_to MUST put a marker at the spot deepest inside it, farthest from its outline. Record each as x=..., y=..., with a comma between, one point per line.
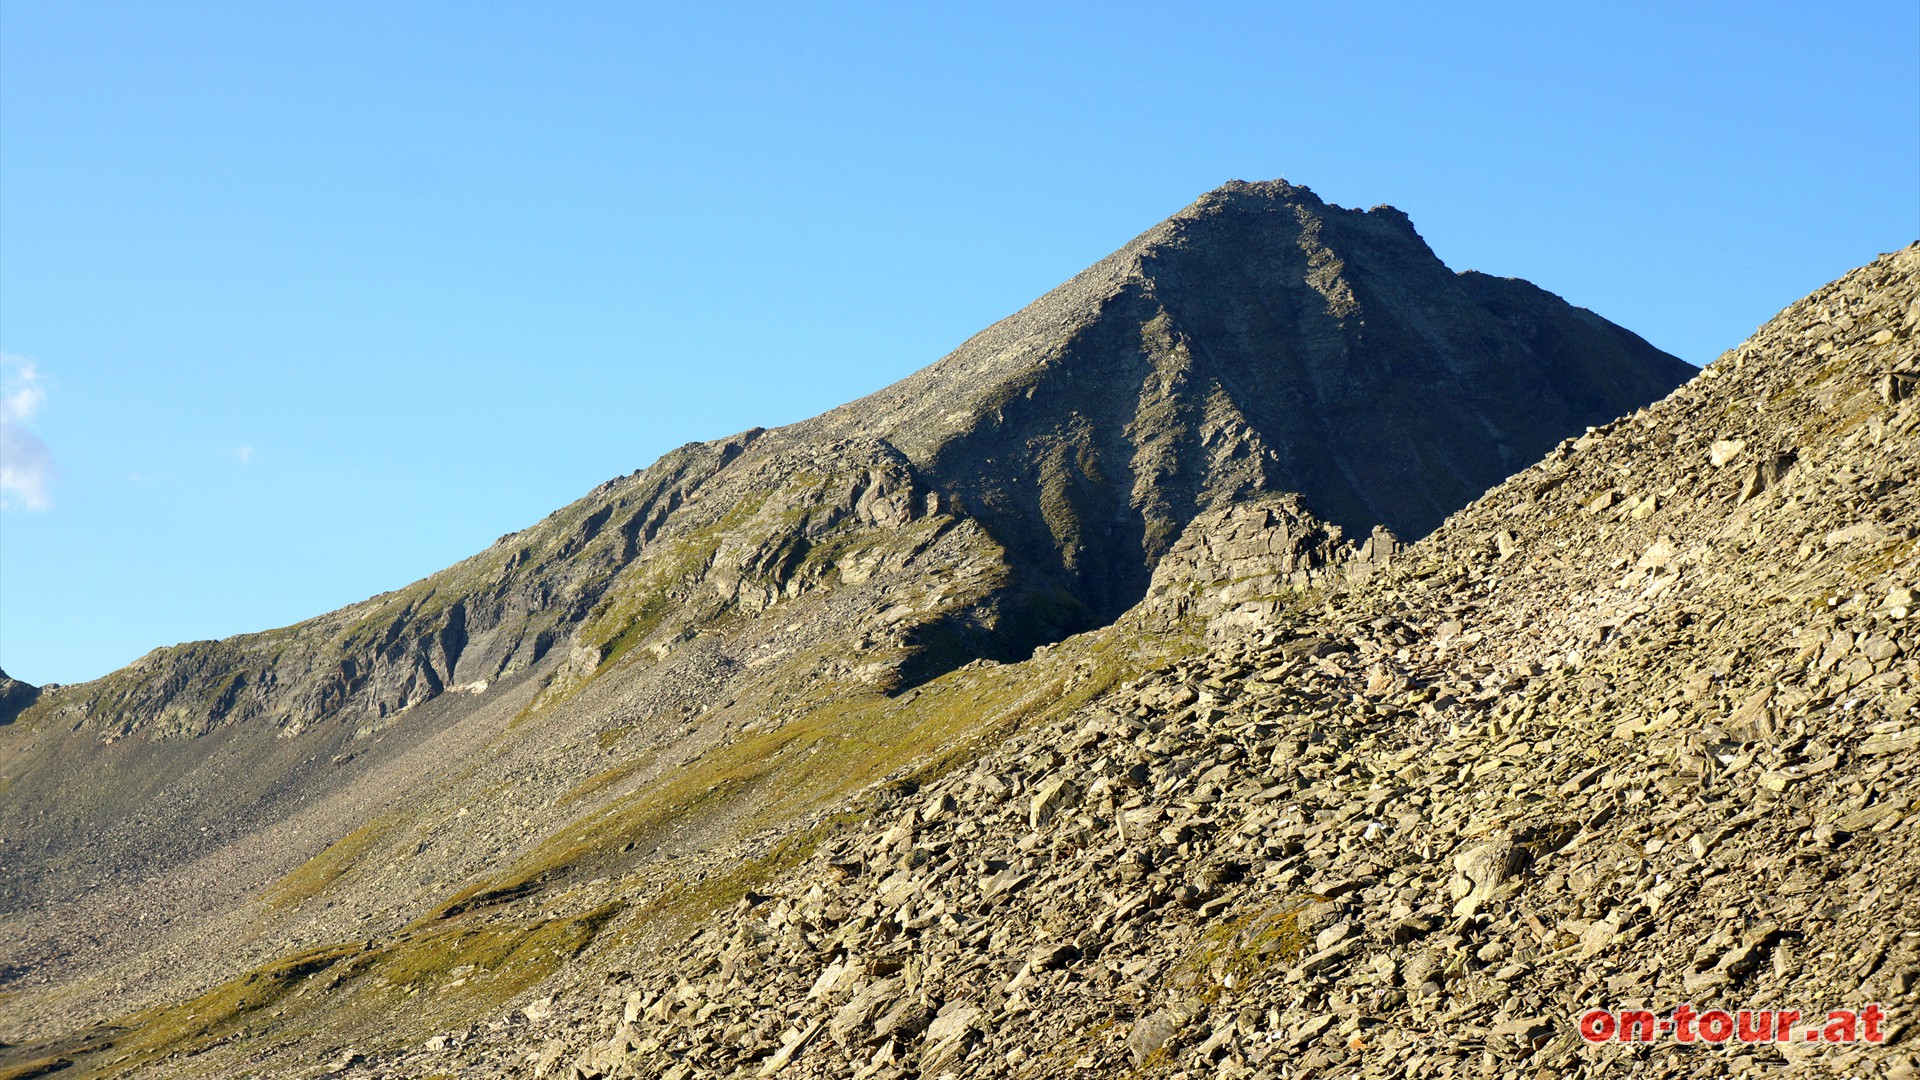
x=1235, y=202
x=1260, y=339
x=1255, y=192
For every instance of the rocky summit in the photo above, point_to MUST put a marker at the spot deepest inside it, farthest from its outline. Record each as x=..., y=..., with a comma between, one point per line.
x=1074, y=707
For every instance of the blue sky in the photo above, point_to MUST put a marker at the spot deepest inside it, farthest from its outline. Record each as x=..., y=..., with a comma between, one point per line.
x=301, y=302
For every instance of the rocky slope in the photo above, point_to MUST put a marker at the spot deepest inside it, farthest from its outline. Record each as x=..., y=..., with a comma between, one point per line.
x=579, y=736
x=1635, y=730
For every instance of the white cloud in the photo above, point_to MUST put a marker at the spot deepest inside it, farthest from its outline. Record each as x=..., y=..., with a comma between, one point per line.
x=26, y=466
x=242, y=454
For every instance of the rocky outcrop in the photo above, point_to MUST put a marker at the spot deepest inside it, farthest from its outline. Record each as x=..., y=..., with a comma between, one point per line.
x=1238, y=567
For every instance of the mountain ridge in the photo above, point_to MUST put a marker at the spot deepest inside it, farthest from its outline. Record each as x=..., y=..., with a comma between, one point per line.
x=686, y=468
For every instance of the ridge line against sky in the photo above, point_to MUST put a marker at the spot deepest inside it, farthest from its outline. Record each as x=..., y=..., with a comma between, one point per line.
x=303, y=303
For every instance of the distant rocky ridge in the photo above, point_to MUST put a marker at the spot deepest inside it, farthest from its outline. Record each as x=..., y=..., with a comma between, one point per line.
x=15, y=696
x=1259, y=340
x=751, y=631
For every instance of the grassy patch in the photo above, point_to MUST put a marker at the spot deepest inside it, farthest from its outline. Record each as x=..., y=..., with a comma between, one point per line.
x=312, y=877
x=606, y=739
x=1873, y=567
x=683, y=906
x=444, y=974
x=495, y=959
x=1249, y=948
x=607, y=778
x=835, y=739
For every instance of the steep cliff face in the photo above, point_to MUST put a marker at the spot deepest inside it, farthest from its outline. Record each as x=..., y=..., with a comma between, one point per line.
x=752, y=628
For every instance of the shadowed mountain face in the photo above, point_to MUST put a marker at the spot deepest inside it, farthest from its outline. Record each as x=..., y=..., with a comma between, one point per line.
x=1259, y=340
x=801, y=579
